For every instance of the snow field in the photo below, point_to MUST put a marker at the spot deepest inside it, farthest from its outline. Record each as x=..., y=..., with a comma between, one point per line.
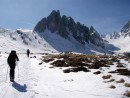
x=40, y=81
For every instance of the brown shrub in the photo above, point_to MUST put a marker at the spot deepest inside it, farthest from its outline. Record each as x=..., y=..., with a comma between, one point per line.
x=114, y=59
x=67, y=71
x=58, y=56
x=46, y=60
x=119, y=65
x=127, y=54
x=107, y=77
x=64, y=56
x=97, y=64
x=75, y=62
x=112, y=86
x=126, y=59
x=127, y=94
x=82, y=69
x=76, y=69
x=112, y=72
x=127, y=84
x=118, y=61
x=51, y=67
x=123, y=72
x=129, y=61
x=111, y=80
x=59, y=63
x=110, y=63
x=98, y=72
x=40, y=63
x=120, y=81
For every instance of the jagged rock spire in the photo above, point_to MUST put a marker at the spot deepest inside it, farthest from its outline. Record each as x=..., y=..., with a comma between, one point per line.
x=66, y=26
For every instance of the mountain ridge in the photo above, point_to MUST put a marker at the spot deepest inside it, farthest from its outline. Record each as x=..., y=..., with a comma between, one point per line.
x=125, y=31
x=21, y=40
x=58, y=34
x=66, y=26
x=120, y=39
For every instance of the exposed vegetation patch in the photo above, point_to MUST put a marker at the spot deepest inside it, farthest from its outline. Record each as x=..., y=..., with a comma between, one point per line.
x=112, y=86
x=129, y=61
x=40, y=63
x=69, y=62
x=92, y=61
x=111, y=80
x=120, y=65
x=75, y=60
x=46, y=60
x=107, y=77
x=76, y=69
x=125, y=72
x=127, y=54
x=127, y=84
x=127, y=94
x=120, y=81
x=98, y=72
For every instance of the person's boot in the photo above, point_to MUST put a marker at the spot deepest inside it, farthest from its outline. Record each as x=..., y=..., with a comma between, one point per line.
x=11, y=79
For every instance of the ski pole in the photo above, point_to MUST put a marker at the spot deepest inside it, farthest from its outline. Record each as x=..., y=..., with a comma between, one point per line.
x=7, y=74
x=18, y=70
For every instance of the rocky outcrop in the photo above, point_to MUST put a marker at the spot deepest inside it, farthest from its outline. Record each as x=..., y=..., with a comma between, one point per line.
x=66, y=27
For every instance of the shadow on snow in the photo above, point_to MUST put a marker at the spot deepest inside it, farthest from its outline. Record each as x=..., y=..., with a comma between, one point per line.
x=19, y=87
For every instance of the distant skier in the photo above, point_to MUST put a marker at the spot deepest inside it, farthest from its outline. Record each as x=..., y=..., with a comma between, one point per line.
x=28, y=52
x=12, y=58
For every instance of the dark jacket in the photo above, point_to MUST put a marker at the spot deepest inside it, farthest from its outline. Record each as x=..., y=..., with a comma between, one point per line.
x=12, y=58
x=28, y=51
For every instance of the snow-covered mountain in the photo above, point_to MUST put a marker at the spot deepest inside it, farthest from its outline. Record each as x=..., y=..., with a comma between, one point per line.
x=121, y=39
x=114, y=35
x=21, y=40
x=64, y=34
x=55, y=34
x=126, y=30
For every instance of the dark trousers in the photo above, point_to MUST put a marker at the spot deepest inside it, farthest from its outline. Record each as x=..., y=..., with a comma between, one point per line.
x=12, y=72
x=27, y=54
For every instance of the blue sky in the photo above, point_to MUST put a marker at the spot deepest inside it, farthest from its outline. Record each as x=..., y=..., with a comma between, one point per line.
x=106, y=16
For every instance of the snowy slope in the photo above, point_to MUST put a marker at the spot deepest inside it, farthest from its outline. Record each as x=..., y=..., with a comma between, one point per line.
x=123, y=43
x=21, y=40
x=62, y=45
x=39, y=81
x=120, y=40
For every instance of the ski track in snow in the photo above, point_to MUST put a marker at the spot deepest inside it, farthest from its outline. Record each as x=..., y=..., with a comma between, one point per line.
x=21, y=88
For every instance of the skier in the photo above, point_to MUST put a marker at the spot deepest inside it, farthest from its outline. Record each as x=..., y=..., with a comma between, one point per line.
x=12, y=58
x=28, y=52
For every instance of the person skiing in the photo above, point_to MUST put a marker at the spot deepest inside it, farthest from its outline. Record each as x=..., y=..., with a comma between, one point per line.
x=12, y=58
x=28, y=52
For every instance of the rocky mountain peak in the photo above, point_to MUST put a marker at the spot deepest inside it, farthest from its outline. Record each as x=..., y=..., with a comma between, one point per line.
x=66, y=27
x=126, y=29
